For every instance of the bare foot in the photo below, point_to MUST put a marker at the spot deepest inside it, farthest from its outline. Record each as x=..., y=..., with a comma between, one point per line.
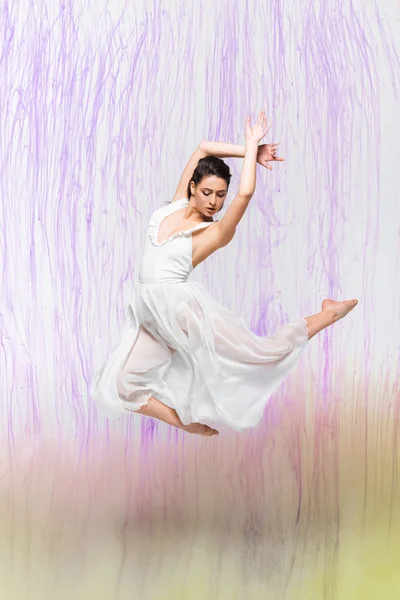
x=200, y=429
x=339, y=309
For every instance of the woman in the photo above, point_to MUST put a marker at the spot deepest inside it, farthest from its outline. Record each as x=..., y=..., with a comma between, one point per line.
x=183, y=358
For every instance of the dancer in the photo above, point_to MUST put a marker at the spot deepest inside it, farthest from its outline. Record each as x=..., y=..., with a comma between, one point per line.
x=183, y=358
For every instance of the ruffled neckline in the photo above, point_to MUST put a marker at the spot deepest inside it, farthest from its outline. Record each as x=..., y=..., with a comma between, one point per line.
x=160, y=214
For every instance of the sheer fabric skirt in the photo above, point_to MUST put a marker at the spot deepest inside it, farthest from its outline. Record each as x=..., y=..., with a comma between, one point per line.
x=185, y=349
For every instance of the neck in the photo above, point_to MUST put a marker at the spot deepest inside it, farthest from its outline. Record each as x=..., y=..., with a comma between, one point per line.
x=194, y=214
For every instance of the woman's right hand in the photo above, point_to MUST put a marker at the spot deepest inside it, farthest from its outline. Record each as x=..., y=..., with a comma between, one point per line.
x=259, y=129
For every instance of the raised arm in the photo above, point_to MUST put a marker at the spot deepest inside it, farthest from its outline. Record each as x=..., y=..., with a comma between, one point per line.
x=266, y=153
x=227, y=225
x=205, y=148
x=181, y=190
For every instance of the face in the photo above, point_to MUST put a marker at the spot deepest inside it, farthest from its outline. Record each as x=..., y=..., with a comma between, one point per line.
x=209, y=194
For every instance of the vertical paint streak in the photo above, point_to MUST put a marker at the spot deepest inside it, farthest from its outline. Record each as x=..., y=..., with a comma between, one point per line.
x=101, y=105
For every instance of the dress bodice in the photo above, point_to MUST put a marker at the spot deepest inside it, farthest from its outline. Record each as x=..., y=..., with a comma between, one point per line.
x=169, y=261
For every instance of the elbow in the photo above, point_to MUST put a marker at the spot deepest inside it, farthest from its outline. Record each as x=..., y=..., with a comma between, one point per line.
x=202, y=146
x=246, y=194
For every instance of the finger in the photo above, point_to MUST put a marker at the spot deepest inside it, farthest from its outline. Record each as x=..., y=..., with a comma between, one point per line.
x=280, y=158
x=268, y=166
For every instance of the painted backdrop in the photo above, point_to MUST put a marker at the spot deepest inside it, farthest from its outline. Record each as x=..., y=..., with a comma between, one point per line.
x=102, y=104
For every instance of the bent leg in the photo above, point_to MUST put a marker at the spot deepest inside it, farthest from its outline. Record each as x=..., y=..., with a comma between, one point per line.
x=157, y=410
x=148, y=353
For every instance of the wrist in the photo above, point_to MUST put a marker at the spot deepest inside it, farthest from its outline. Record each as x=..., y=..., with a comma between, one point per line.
x=251, y=144
x=251, y=147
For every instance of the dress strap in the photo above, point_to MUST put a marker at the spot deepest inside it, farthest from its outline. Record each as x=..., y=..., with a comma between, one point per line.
x=160, y=214
x=199, y=226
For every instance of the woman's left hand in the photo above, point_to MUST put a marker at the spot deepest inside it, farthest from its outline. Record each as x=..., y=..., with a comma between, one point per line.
x=267, y=153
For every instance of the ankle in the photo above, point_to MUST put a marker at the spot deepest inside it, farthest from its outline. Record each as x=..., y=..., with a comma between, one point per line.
x=172, y=418
x=332, y=315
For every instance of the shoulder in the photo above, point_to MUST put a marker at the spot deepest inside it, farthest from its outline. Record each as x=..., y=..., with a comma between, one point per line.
x=169, y=207
x=181, y=199
x=211, y=240
x=178, y=198
x=214, y=235
x=223, y=237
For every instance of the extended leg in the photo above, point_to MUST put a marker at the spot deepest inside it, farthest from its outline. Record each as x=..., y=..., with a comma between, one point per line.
x=332, y=312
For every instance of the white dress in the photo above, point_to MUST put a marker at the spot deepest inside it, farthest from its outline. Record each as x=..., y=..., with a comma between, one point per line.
x=185, y=349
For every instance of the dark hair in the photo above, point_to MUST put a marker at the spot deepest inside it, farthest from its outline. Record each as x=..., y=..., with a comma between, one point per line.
x=209, y=165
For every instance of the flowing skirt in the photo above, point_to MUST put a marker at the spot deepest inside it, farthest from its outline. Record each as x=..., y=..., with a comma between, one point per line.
x=185, y=349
